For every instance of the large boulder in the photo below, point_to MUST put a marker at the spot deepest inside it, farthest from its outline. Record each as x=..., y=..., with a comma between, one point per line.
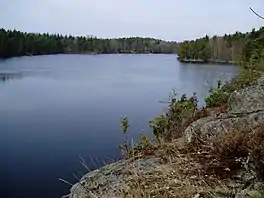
x=209, y=128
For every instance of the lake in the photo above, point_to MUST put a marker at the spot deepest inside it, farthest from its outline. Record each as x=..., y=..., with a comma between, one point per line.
x=57, y=109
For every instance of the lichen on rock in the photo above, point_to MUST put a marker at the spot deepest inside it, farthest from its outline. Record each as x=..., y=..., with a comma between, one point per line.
x=247, y=100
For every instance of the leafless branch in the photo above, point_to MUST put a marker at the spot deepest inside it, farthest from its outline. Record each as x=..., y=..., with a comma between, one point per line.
x=256, y=13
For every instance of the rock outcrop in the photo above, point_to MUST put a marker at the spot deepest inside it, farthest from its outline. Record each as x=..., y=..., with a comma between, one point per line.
x=248, y=100
x=245, y=112
x=253, y=191
x=110, y=181
x=208, y=128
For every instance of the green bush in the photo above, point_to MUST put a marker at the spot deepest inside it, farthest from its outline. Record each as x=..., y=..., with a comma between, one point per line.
x=245, y=78
x=220, y=94
x=124, y=127
x=159, y=125
x=172, y=122
x=216, y=96
x=144, y=142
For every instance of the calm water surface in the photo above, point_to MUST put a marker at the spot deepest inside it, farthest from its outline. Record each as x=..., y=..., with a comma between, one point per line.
x=54, y=109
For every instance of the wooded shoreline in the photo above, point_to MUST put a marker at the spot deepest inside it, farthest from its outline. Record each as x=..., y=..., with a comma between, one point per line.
x=15, y=43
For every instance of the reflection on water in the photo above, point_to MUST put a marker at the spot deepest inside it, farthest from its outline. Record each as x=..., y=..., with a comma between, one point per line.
x=9, y=76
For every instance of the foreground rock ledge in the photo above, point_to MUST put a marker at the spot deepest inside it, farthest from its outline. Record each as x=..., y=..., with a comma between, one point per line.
x=246, y=111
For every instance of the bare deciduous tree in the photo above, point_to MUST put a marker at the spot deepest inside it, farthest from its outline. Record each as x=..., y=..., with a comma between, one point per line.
x=256, y=13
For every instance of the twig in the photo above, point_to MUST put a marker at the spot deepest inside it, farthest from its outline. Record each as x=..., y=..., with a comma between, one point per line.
x=66, y=182
x=76, y=177
x=93, y=162
x=256, y=13
x=83, y=163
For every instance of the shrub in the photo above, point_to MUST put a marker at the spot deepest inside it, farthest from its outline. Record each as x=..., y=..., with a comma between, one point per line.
x=173, y=121
x=143, y=147
x=217, y=96
x=220, y=94
x=144, y=142
x=235, y=147
x=245, y=78
x=159, y=125
x=124, y=127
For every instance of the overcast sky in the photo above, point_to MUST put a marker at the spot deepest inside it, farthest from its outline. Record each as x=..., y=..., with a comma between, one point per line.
x=165, y=19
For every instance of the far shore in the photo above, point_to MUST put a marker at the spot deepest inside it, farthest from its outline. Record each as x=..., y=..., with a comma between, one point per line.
x=85, y=53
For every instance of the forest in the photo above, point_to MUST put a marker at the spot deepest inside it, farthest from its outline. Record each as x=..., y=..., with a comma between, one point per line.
x=232, y=48
x=17, y=43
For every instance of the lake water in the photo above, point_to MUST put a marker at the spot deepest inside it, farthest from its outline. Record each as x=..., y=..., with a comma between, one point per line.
x=56, y=108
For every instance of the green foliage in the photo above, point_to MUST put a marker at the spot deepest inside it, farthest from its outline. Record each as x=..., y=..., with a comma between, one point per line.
x=124, y=127
x=246, y=47
x=124, y=124
x=245, y=78
x=216, y=96
x=16, y=43
x=136, y=148
x=159, y=125
x=144, y=142
x=195, y=50
x=256, y=60
x=220, y=94
x=172, y=122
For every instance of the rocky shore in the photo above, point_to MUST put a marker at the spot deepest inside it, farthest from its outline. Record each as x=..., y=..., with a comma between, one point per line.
x=201, y=61
x=184, y=173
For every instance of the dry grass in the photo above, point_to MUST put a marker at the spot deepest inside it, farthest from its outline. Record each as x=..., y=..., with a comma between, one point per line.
x=200, y=171
x=237, y=148
x=196, y=171
x=181, y=175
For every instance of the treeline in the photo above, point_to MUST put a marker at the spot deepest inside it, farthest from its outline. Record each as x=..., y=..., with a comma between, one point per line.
x=228, y=48
x=16, y=43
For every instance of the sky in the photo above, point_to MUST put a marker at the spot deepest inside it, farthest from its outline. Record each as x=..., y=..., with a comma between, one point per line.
x=174, y=20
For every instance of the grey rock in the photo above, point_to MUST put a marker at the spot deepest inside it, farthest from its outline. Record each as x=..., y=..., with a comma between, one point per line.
x=195, y=129
x=246, y=112
x=247, y=100
x=209, y=128
x=253, y=191
x=261, y=81
x=110, y=181
x=247, y=175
